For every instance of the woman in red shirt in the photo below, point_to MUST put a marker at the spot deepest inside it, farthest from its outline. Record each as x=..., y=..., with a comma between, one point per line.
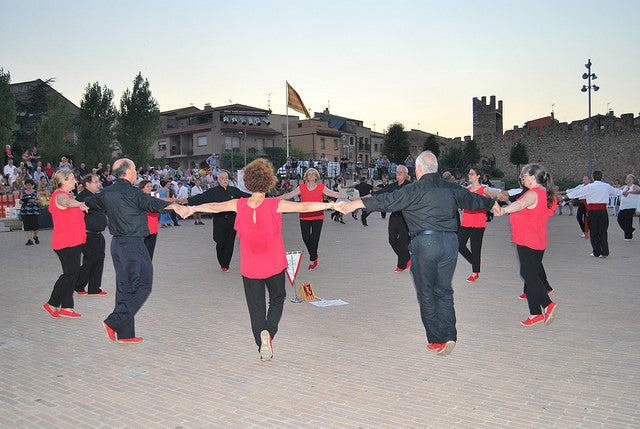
x=69, y=234
x=262, y=253
x=311, y=223
x=473, y=224
x=529, y=233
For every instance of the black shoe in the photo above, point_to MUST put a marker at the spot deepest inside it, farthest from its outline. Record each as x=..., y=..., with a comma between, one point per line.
x=176, y=224
x=36, y=240
x=29, y=243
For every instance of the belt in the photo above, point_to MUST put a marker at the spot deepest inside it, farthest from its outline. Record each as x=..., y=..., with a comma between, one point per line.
x=425, y=232
x=596, y=206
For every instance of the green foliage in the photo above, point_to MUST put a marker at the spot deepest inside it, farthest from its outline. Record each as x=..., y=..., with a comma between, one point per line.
x=55, y=131
x=489, y=167
x=7, y=109
x=453, y=161
x=396, y=143
x=471, y=153
x=297, y=153
x=564, y=184
x=518, y=156
x=95, y=125
x=31, y=111
x=431, y=144
x=276, y=155
x=138, y=122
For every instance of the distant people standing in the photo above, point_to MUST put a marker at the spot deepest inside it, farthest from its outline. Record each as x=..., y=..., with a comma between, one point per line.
x=363, y=189
x=196, y=189
x=223, y=233
x=409, y=163
x=93, y=250
x=581, y=213
x=597, y=195
x=8, y=154
x=29, y=212
x=629, y=203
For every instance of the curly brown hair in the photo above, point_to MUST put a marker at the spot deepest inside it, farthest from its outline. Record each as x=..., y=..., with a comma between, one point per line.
x=258, y=176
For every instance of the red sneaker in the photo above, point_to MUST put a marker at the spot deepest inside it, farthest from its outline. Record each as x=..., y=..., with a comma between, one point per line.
x=101, y=293
x=313, y=264
x=523, y=296
x=225, y=269
x=529, y=321
x=110, y=332
x=446, y=348
x=134, y=340
x=82, y=292
x=473, y=277
x=51, y=310
x=434, y=347
x=69, y=313
x=408, y=265
x=550, y=313
x=398, y=270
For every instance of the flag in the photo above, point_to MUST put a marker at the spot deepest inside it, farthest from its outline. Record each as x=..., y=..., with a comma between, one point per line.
x=295, y=102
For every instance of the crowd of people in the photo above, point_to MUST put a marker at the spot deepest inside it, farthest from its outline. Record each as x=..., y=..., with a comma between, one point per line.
x=432, y=219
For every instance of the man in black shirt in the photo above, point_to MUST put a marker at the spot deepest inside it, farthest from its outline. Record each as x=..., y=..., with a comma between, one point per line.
x=364, y=189
x=127, y=206
x=93, y=249
x=223, y=232
x=429, y=207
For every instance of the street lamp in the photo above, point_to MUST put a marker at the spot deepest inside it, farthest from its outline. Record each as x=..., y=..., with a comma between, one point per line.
x=587, y=88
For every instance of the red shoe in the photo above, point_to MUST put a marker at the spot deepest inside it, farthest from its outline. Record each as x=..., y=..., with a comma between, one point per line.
x=225, y=269
x=110, y=332
x=51, y=310
x=398, y=270
x=101, y=293
x=134, y=340
x=313, y=264
x=69, y=313
x=266, y=346
x=473, y=277
x=523, y=296
x=539, y=318
x=408, y=265
x=446, y=348
x=434, y=347
x=82, y=292
x=550, y=313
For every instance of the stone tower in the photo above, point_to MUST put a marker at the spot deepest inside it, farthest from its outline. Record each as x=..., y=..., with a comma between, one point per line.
x=487, y=120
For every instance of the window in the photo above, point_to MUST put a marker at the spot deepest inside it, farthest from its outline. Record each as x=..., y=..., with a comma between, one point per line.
x=231, y=142
x=202, y=141
x=269, y=143
x=260, y=145
x=335, y=144
x=375, y=147
x=352, y=141
x=322, y=143
x=162, y=145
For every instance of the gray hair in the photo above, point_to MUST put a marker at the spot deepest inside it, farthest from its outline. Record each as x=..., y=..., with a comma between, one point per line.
x=428, y=162
x=402, y=167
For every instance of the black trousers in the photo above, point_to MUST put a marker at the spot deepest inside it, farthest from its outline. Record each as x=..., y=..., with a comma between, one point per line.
x=625, y=220
x=134, y=278
x=581, y=215
x=598, y=225
x=472, y=256
x=62, y=293
x=92, y=263
x=150, y=243
x=363, y=216
x=261, y=317
x=530, y=271
x=399, y=239
x=225, y=237
x=310, y=230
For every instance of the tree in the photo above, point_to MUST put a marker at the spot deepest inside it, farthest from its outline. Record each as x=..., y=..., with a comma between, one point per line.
x=518, y=156
x=7, y=109
x=453, y=161
x=54, y=132
x=431, y=144
x=471, y=153
x=31, y=109
x=396, y=143
x=95, y=125
x=138, y=122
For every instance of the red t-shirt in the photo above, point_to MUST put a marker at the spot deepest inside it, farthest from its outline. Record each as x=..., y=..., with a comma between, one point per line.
x=529, y=226
x=262, y=253
x=312, y=196
x=152, y=222
x=69, y=229
x=475, y=218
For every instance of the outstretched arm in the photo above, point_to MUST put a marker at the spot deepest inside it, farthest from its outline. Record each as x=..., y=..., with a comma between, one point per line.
x=227, y=206
x=285, y=206
x=291, y=194
x=334, y=194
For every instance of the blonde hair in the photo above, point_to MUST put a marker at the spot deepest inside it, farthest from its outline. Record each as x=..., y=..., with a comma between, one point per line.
x=60, y=176
x=309, y=172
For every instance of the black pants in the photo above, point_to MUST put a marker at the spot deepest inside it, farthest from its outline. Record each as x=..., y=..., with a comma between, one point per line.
x=363, y=216
x=530, y=271
x=598, y=225
x=399, y=239
x=581, y=215
x=92, y=263
x=625, y=220
x=261, y=317
x=134, y=278
x=472, y=256
x=225, y=237
x=150, y=243
x=310, y=230
x=62, y=293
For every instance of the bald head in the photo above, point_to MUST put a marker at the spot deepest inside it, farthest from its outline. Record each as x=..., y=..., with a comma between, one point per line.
x=124, y=168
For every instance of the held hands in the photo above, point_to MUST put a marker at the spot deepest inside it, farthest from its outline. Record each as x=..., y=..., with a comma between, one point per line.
x=183, y=211
x=503, y=196
x=345, y=207
x=497, y=210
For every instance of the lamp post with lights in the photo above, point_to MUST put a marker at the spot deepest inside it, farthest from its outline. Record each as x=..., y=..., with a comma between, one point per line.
x=587, y=88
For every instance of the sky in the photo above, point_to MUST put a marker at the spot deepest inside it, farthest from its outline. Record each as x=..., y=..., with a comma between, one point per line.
x=419, y=63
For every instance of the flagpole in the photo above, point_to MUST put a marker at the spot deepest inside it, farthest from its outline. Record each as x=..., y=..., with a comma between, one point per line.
x=286, y=88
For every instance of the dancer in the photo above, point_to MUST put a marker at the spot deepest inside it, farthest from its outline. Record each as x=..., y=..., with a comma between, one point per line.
x=69, y=234
x=629, y=203
x=531, y=213
x=311, y=223
x=581, y=213
x=473, y=225
x=597, y=195
x=429, y=206
x=262, y=253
